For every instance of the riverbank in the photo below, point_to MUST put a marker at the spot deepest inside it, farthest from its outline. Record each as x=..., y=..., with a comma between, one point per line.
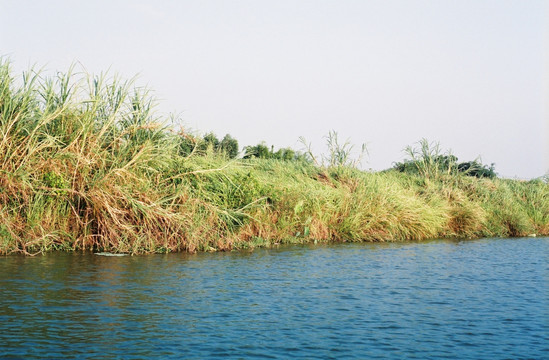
x=85, y=164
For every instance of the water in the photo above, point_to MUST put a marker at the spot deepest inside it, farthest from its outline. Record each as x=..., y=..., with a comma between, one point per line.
x=441, y=299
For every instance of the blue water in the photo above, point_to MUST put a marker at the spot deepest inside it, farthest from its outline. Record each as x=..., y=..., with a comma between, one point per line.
x=482, y=299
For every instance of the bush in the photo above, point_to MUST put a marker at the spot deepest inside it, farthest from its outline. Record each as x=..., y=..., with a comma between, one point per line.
x=428, y=161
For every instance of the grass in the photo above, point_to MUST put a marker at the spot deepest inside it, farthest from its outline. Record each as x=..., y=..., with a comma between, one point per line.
x=86, y=164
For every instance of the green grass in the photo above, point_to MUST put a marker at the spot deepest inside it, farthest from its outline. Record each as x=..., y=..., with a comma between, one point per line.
x=86, y=164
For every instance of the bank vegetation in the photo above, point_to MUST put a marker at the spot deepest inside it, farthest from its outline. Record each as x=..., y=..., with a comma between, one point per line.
x=86, y=164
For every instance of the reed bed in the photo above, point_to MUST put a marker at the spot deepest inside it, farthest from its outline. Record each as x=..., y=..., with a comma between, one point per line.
x=86, y=164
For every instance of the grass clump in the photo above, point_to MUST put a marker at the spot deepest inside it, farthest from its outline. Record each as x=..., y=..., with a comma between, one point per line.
x=86, y=164
x=428, y=160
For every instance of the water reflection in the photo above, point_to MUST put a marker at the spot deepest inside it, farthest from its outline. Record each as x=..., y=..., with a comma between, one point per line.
x=472, y=299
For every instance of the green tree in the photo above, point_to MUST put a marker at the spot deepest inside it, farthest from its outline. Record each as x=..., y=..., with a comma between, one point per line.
x=229, y=146
x=209, y=141
x=429, y=161
x=259, y=151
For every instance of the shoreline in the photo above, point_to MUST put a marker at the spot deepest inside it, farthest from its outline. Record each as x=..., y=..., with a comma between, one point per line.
x=87, y=165
x=298, y=209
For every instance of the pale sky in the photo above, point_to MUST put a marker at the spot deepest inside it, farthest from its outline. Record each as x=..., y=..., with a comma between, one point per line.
x=472, y=75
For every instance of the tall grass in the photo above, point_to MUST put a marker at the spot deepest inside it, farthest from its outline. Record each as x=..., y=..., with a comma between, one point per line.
x=86, y=164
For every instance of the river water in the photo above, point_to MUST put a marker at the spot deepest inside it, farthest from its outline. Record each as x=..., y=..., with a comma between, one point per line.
x=475, y=299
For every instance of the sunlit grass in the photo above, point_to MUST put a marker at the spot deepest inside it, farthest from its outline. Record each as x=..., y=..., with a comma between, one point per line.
x=86, y=164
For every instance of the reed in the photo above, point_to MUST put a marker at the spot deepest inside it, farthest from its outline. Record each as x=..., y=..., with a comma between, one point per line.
x=86, y=164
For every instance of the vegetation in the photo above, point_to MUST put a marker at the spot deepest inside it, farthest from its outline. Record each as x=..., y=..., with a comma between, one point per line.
x=261, y=151
x=427, y=160
x=85, y=164
x=192, y=145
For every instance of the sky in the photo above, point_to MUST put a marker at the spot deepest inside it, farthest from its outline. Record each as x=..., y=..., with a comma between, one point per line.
x=470, y=74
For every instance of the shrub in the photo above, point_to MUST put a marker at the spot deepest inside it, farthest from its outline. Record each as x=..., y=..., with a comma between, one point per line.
x=429, y=161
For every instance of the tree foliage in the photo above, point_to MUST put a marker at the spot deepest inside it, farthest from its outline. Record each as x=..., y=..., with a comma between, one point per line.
x=229, y=146
x=262, y=151
x=429, y=161
x=209, y=143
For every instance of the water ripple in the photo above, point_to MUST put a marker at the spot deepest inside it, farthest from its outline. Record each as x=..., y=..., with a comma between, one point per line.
x=442, y=299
